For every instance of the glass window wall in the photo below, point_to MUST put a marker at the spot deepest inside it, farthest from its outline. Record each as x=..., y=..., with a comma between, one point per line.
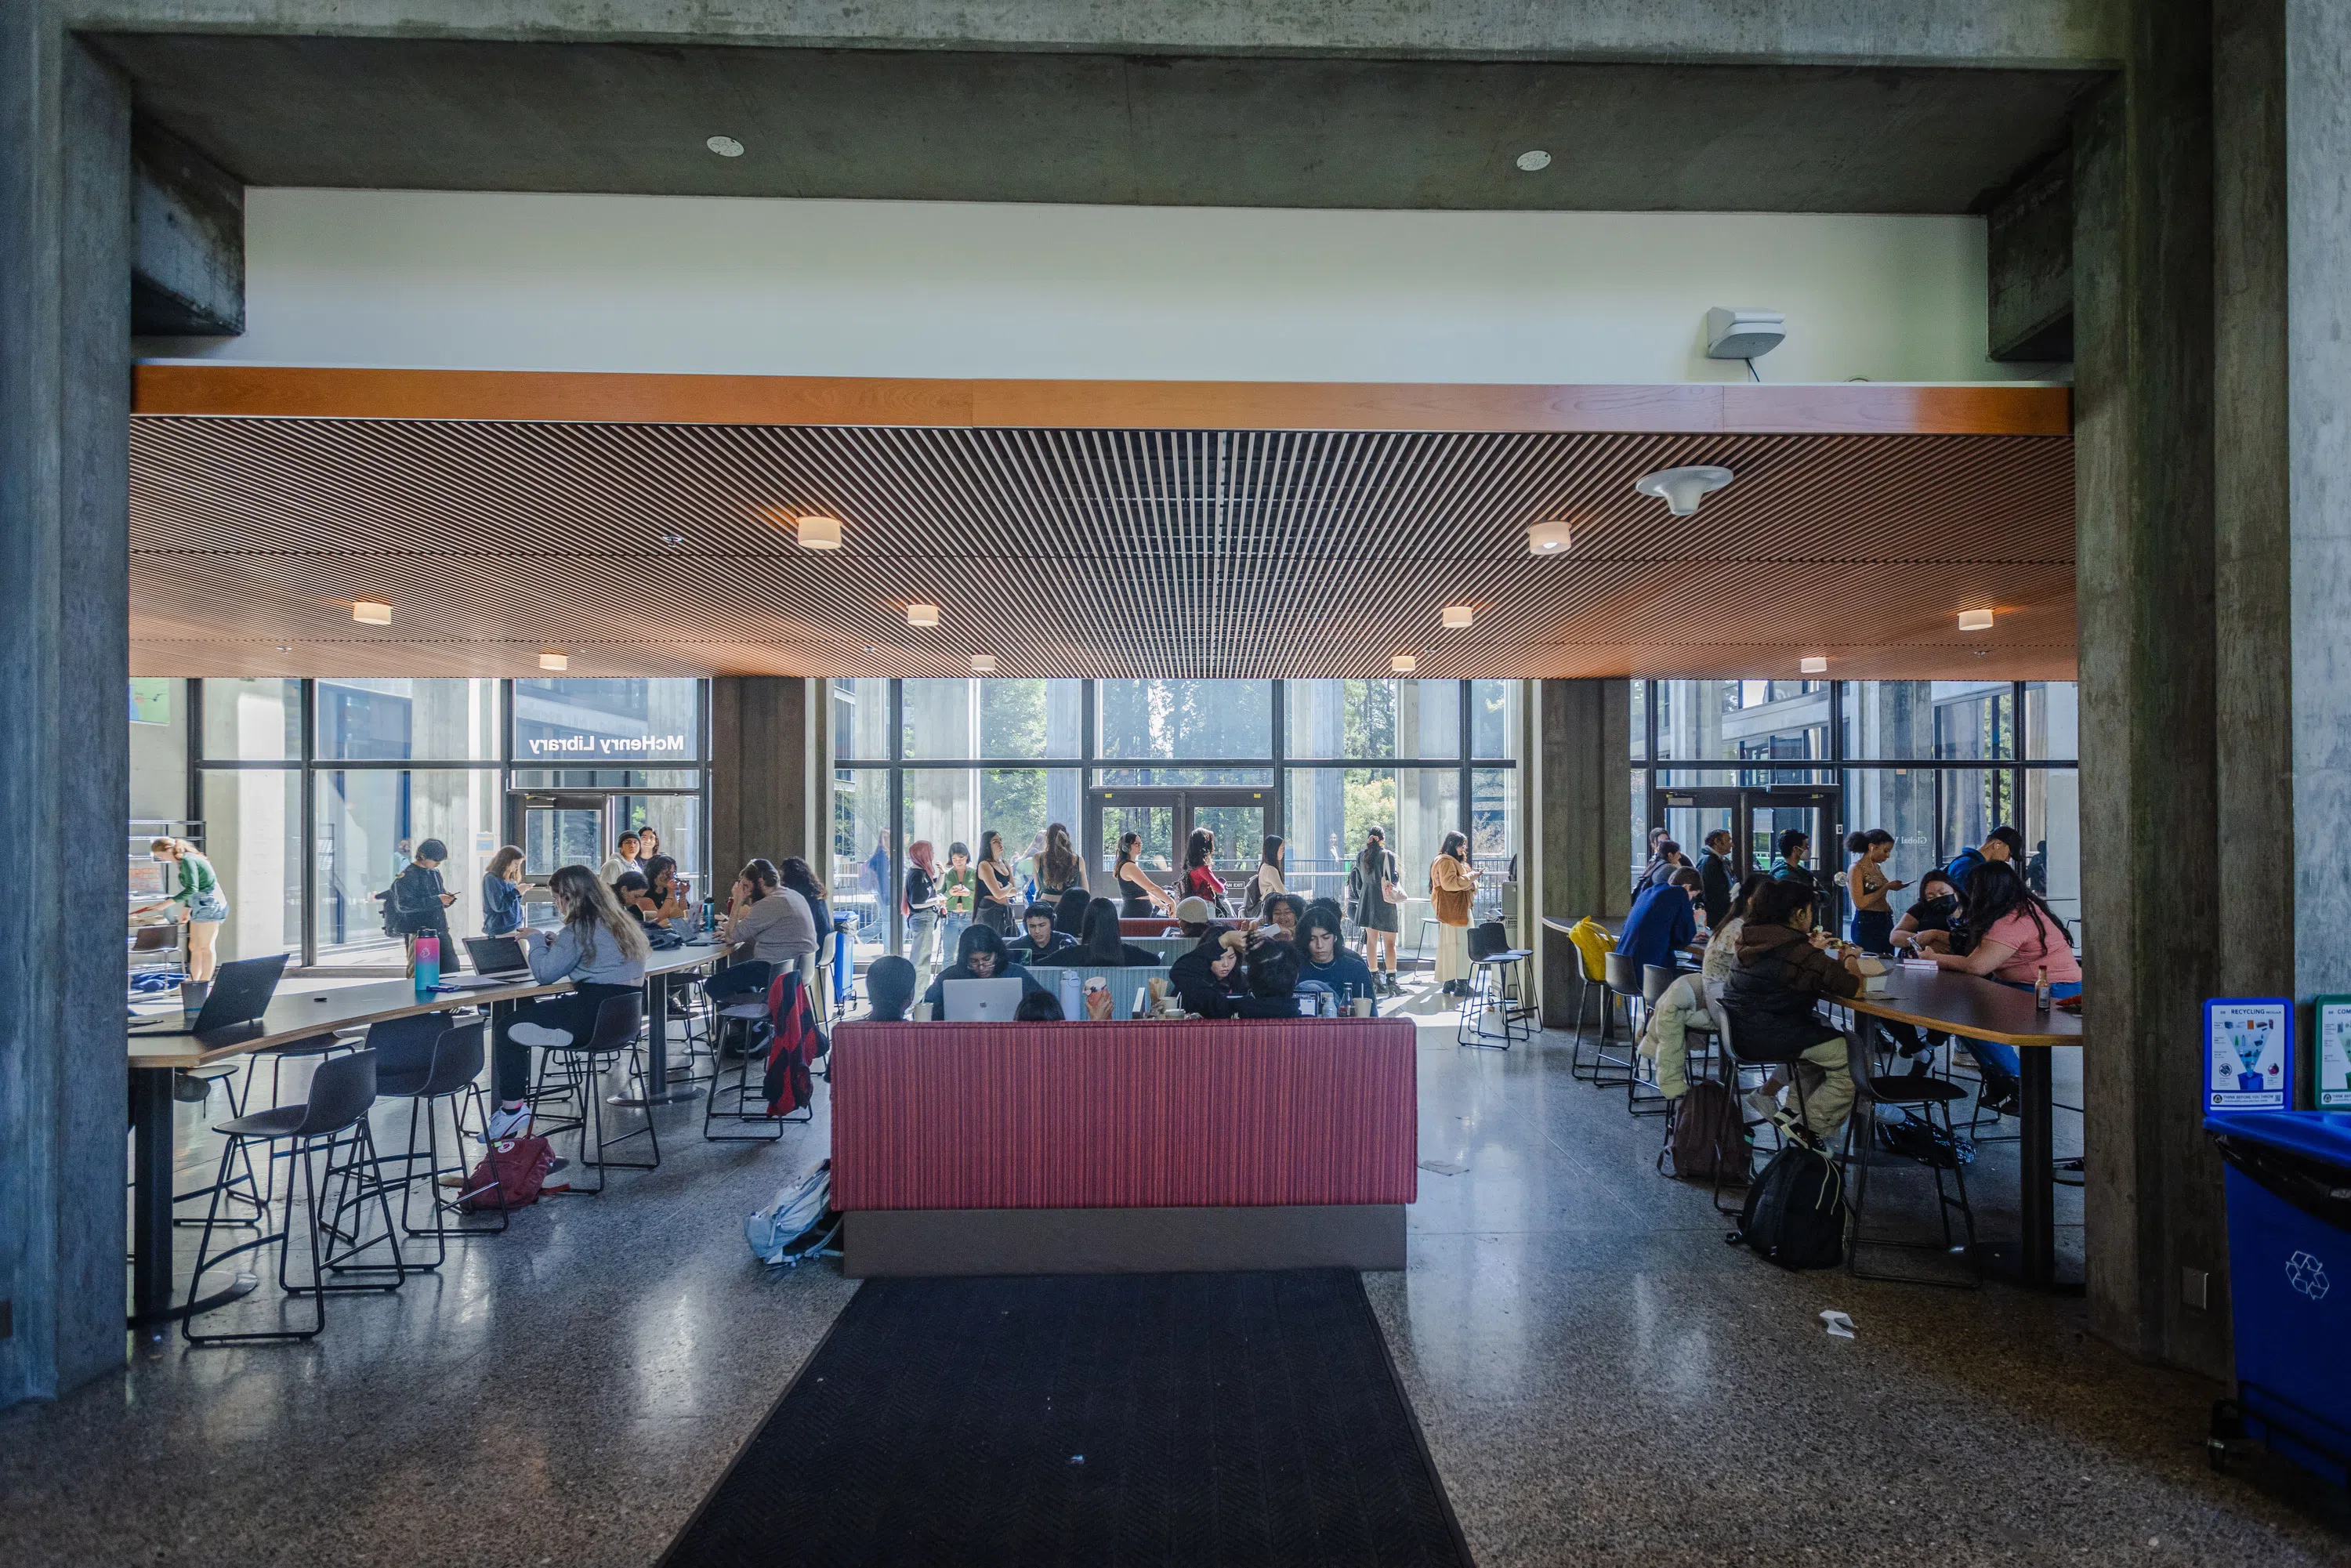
x=952, y=720
x=610, y=723
x=1374, y=719
x=1184, y=719
x=369, y=824
x=253, y=721
x=253, y=836
x=407, y=721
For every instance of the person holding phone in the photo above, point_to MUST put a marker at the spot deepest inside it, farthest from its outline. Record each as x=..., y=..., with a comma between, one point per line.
x=1452, y=885
x=420, y=904
x=1379, y=908
x=502, y=886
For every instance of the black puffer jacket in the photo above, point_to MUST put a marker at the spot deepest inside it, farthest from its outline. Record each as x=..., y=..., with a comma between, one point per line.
x=1774, y=988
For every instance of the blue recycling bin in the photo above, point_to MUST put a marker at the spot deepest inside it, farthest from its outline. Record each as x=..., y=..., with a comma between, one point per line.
x=2289, y=1194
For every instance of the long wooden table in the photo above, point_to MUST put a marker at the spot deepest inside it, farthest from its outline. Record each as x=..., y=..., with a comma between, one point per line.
x=302, y=1012
x=1985, y=1010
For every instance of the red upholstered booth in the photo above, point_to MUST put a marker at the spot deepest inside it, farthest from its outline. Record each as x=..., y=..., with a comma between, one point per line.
x=1018, y=1149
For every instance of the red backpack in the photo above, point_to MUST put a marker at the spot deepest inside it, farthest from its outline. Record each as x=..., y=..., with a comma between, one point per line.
x=510, y=1173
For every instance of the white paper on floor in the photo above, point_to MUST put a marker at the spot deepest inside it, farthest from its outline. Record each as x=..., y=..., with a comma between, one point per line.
x=1840, y=1325
x=1443, y=1167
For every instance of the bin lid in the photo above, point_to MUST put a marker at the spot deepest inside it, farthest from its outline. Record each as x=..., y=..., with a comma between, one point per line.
x=2317, y=1134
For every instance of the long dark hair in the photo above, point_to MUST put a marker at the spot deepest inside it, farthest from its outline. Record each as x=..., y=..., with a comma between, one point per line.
x=977, y=939
x=656, y=870
x=2001, y=892
x=1755, y=879
x=795, y=874
x=1058, y=866
x=1271, y=853
x=1859, y=843
x=1374, y=859
x=1130, y=848
x=1455, y=844
x=594, y=912
x=1102, y=942
x=1777, y=902
x=991, y=847
x=1199, y=847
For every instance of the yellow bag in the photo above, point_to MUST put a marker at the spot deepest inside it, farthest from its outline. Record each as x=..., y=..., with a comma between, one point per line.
x=1592, y=939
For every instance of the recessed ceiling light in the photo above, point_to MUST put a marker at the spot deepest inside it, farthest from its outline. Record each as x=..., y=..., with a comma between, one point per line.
x=1681, y=490
x=725, y=146
x=1535, y=157
x=554, y=661
x=817, y=531
x=1814, y=666
x=1403, y=663
x=1975, y=620
x=1457, y=615
x=983, y=664
x=671, y=538
x=371, y=612
x=1548, y=538
x=922, y=615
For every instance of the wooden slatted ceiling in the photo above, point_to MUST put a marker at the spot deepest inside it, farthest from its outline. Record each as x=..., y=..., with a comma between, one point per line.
x=1084, y=552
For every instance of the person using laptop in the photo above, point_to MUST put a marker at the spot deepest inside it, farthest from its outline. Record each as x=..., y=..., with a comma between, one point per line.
x=1046, y=942
x=889, y=989
x=980, y=956
x=420, y=903
x=601, y=949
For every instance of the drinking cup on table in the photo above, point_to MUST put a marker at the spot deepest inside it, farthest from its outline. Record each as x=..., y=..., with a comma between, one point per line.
x=192, y=997
x=1363, y=1007
x=922, y=1012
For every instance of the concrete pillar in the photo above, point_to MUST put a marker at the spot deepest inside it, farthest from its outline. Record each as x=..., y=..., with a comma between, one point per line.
x=64, y=235
x=760, y=773
x=1583, y=809
x=2144, y=489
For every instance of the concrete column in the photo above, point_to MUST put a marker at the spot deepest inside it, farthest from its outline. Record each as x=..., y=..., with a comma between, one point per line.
x=758, y=773
x=1583, y=815
x=65, y=295
x=2143, y=488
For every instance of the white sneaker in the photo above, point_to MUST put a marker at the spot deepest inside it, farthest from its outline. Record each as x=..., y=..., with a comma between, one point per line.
x=505, y=1123
x=1765, y=1104
x=538, y=1035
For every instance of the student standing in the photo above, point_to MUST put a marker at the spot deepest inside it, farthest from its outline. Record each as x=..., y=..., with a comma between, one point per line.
x=923, y=903
x=622, y=858
x=502, y=893
x=2003, y=843
x=1452, y=885
x=997, y=891
x=1867, y=884
x=1140, y=896
x=959, y=895
x=1200, y=878
x=196, y=900
x=420, y=903
x=1059, y=872
x=1267, y=880
x=1378, y=901
x=1794, y=845
x=600, y=948
x=1715, y=877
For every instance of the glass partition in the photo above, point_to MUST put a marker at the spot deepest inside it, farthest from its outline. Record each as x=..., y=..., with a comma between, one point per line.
x=1181, y=719
x=407, y=721
x=253, y=721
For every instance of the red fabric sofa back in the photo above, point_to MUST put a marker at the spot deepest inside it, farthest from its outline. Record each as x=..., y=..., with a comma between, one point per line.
x=1124, y=1115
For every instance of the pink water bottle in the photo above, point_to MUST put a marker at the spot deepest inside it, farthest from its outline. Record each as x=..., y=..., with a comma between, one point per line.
x=428, y=965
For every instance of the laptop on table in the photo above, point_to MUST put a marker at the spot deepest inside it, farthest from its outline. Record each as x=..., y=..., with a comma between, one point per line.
x=498, y=958
x=240, y=993
x=981, y=1001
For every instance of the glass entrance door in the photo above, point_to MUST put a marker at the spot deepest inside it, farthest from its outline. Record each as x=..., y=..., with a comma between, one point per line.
x=1755, y=819
x=1165, y=820
x=556, y=830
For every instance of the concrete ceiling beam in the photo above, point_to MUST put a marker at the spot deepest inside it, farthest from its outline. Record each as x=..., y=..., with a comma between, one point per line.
x=187, y=264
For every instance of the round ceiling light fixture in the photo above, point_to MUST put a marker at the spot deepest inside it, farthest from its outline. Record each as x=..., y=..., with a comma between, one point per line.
x=1456, y=616
x=554, y=660
x=1549, y=539
x=1532, y=159
x=922, y=615
x=1682, y=489
x=370, y=612
x=725, y=146
x=983, y=664
x=1403, y=663
x=817, y=531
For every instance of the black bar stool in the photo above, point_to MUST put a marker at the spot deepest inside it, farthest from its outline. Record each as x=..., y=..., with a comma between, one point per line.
x=1492, y=963
x=1736, y=1067
x=1927, y=1095
x=584, y=1064
x=1621, y=981
x=1655, y=982
x=740, y=995
x=333, y=1118
x=426, y=1060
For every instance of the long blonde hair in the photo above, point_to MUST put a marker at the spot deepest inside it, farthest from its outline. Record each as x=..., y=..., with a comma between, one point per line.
x=590, y=906
x=177, y=846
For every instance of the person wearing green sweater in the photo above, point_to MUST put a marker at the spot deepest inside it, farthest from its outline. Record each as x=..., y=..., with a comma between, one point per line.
x=199, y=901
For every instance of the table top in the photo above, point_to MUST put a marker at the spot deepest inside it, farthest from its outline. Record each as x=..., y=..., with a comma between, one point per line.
x=299, y=1011
x=1969, y=1005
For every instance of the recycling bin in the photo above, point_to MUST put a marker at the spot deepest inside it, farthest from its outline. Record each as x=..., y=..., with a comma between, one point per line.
x=2289, y=1196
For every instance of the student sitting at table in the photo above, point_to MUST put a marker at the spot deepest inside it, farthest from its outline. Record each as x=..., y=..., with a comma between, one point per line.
x=1937, y=908
x=1207, y=980
x=767, y=920
x=1692, y=999
x=2017, y=937
x=1273, y=981
x=661, y=901
x=600, y=948
x=1323, y=952
x=1663, y=921
x=1046, y=942
x=1772, y=998
x=889, y=989
x=2001, y=846
x=622, y=858
x=1039, y=1007
x=1282, y=911
x=1103, y=944
x=1794, y=845
x=1069, y=911
x=1194, y=917
x=979, y=956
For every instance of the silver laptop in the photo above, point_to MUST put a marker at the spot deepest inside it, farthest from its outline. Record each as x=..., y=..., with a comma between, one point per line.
x=497, y=957
x=981, y=1001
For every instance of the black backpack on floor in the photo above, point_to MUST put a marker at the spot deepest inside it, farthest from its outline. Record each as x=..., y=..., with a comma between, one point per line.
x=1795, y=1212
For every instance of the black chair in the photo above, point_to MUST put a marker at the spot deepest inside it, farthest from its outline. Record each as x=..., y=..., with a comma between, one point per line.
x=619, y=1021
x=1930, y=1097
x=1655, y=982
x=1588, y=987
x=743, y=1101
x=1622, y=983
x=333, y=1119
x=1493, y=965
x=426, y=1060
x=1736, y=1068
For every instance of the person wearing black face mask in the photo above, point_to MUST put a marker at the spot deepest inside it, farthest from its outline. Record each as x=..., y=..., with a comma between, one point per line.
x=1938, y=907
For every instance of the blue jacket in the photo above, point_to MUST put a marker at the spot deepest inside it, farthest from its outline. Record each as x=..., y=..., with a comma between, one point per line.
x=1661, y=924
x=501, y=906
x=1962, y=866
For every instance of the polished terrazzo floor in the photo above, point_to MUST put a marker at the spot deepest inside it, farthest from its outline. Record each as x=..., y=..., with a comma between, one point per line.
x=1600, y=1378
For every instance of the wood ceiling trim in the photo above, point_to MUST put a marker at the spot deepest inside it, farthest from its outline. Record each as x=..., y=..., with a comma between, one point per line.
x=1857, y=408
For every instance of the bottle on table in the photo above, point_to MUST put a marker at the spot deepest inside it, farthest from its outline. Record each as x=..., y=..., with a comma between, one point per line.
x=2040, y=988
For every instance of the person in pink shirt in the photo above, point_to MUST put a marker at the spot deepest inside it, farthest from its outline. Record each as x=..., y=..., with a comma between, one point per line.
x=2015, y=936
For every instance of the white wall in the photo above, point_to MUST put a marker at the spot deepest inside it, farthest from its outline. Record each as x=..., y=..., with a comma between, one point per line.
x=910, y=288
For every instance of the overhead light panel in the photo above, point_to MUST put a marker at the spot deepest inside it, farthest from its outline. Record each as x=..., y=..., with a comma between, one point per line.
x=922, y=615
x=370, y=612
x=983, y=664
x=554, y=661
x=1548, y=538
x=725, y=146
x=1814, y=666
x=1975, y=620
x=1457, y=615
x=818, y=531
x=1682, y=489
x=1403, y=663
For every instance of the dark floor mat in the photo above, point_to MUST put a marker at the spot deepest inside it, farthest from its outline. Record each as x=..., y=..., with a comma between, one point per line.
x=1091, y=1419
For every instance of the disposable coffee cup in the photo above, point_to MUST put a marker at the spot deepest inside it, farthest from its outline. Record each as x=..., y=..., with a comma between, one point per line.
x=1363, y=1006
x=922, y=1012
x=192, y=995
